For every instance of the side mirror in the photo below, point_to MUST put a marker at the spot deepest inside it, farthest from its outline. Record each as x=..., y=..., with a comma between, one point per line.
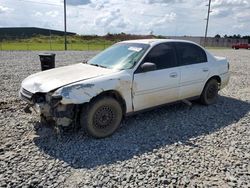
x=147, y=66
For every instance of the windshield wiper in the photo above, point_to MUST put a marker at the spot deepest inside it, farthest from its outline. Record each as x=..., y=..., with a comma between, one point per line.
x=97, y=65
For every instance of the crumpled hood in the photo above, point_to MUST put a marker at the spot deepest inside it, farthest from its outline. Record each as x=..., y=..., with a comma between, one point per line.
x=55, y=78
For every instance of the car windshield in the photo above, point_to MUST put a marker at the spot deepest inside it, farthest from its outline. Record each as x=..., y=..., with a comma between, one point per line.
x=120, y=56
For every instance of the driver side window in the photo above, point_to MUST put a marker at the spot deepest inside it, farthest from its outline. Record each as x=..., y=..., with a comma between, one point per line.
x=162, y=55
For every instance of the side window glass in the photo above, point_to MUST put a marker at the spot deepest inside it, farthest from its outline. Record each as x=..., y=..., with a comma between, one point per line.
x=163, y=55
x=190, y=54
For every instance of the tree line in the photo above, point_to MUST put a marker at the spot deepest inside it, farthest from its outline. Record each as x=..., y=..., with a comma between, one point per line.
x=234, y=37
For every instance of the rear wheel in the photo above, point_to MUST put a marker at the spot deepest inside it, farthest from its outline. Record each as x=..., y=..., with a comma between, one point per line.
x=102, y=118
x=210, y=92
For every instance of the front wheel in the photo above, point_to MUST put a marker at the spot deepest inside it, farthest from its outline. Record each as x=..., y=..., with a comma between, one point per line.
x=210, y=92
x=102, y=118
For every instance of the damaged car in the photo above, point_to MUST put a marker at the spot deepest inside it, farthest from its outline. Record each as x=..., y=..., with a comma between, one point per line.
x=128, y=77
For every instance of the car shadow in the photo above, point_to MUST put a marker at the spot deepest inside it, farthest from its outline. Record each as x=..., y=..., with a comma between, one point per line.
x=142, y=133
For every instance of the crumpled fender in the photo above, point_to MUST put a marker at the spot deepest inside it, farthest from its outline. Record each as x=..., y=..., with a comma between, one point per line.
x=83, y=91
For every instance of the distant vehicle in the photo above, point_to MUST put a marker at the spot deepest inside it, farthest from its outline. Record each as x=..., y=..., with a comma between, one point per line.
x=241, y=45
x=128, y=77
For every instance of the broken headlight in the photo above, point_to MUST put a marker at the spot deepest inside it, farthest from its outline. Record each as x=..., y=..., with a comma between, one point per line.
x=39, y=98
x=55, y=99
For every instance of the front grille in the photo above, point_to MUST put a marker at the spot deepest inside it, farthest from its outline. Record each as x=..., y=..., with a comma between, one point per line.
x=25, y=98
x=26, y=93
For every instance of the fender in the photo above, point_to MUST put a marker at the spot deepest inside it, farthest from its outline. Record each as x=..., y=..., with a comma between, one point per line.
x=83, y=91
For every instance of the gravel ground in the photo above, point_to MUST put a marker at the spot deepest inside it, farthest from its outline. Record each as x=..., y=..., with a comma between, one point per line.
x=170, y=146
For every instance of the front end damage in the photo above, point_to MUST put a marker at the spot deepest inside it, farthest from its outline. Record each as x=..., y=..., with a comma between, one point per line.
x=50, y=108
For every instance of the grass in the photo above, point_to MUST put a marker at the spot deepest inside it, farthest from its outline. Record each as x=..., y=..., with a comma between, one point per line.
x=217, y=48
x=60, y=46
x=53, y=46
x=55, y=43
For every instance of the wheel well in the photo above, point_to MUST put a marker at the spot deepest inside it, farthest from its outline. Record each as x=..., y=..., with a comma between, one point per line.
x=114, y=94
x=216, y=78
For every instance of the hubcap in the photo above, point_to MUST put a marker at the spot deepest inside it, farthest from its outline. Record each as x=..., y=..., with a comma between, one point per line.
x=103, y=117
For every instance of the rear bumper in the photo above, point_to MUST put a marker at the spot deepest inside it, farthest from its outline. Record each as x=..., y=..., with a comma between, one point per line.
x=224, y=79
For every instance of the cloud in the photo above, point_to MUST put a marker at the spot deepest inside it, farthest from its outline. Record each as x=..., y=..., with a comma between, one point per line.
x=4, y=9
x=229, y=3
x=113, y=19
x=52, y=14
x=106, y=18
x=162, y=1
x=243, y=17
x=156, y=25
x=38, y=14
x=167, y=18
x=221, y=12
x=224, y=8
x=163, y=17
x=78, y=2
x=238, y=26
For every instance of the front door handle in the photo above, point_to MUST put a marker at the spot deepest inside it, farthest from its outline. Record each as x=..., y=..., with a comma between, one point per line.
x=205, y=70
x=173, y=75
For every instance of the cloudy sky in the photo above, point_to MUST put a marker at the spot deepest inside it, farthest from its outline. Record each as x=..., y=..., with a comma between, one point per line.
x=162, y=17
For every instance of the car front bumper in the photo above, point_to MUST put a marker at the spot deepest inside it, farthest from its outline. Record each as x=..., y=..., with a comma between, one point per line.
x=50, y=109
x=26, y=95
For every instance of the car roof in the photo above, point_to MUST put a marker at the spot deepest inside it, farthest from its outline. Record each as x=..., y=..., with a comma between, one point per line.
x=153, y=42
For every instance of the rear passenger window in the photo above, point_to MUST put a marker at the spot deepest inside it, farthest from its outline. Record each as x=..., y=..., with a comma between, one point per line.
x=190, y=54
x=163, y=55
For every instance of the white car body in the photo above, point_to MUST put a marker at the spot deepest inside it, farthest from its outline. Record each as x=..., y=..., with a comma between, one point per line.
x=79, y=83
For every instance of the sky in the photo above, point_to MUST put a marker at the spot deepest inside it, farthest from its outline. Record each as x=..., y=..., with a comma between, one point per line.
x=160, y=17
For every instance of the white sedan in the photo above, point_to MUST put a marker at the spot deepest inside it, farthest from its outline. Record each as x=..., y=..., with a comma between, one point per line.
x=128, y=77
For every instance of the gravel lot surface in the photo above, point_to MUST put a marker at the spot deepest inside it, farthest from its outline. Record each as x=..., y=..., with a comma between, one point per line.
x=170, y=146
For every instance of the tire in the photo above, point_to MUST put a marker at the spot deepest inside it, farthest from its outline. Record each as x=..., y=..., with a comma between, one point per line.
x=210, y=92
x=102, y=117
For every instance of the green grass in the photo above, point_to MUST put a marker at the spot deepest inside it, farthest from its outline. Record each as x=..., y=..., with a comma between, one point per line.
x=54, y=46
x=217, y=48
x=55, y=43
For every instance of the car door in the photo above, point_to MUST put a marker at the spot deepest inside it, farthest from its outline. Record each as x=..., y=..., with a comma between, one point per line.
x=194, y=69
x=158, y=86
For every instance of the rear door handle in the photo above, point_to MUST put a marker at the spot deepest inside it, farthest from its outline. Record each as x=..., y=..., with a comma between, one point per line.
x=173, y=75
x=205, y=69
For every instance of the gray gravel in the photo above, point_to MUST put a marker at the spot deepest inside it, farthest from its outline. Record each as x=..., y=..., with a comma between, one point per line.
x=170, y=146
